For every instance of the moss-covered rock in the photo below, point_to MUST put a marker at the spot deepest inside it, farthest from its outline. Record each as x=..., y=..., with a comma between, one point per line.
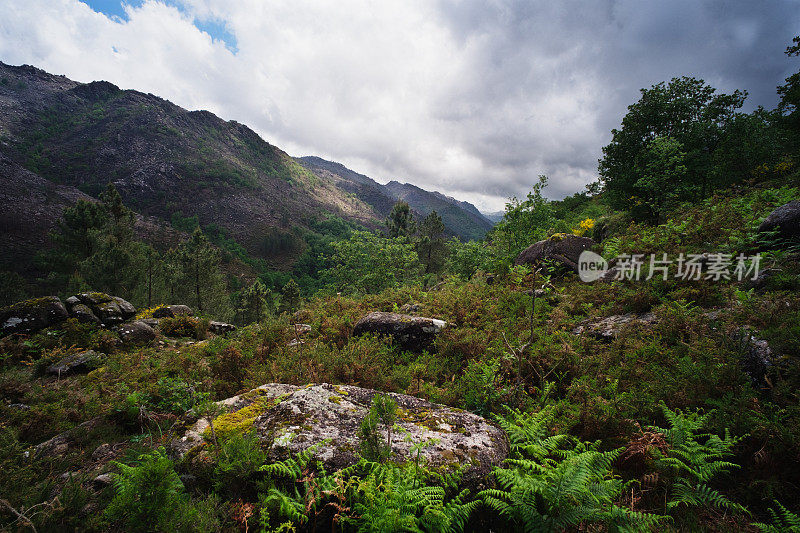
x=287, y=419
x=32, y=315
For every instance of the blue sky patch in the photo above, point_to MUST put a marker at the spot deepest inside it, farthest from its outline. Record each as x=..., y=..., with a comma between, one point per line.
x=214, y=27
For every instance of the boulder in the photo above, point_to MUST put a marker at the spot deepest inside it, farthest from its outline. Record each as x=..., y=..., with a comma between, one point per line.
x=220, y=328
x=786, y=219
x=288, y=419
x=757, y=358
x=609, y=327
x=32, y=315
x=76, y=363
x=171, y=311
x=83, y=314
x=413, y=333
x=109, y=309
x=137, y=332
x=562, y=248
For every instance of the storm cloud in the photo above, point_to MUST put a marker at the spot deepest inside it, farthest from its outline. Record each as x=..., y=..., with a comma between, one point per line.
x=474, y=99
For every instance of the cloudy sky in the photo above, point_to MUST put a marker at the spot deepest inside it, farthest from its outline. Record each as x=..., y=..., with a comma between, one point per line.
x=472, y=98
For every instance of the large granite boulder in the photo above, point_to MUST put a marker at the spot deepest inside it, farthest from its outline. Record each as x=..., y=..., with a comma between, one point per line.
x=171, y=311
x=561, y=248
x=110, y=310
x=76, y=363
x=32, y=315
x=413, y=333
x=786, y=219
x=137, y=332
x=287, y=419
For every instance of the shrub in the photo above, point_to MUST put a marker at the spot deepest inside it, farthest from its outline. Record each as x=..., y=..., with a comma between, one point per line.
x=184, y=326
x=147, y=494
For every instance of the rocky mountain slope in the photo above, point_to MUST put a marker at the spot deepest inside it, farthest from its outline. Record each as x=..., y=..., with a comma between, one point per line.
x=461, y=219
x=163, y=159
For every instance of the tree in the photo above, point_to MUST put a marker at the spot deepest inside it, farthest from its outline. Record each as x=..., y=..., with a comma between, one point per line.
x=400, y=221
x=789, y=106
x=290, y=297
x=369, y=263
x=686, y=110
x=523, y=223
x=256, y=302
x=431, y=247
x=662, y=172
x=200, y=272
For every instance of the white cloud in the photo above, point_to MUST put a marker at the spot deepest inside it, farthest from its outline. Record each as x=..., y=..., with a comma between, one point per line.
x=471, y=99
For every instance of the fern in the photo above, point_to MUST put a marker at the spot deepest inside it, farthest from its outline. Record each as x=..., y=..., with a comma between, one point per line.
x=695, y=463
x=147, y=494
x=783, y=520
x=551, y=483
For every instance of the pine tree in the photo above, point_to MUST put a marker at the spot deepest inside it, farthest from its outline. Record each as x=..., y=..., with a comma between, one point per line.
x=200, y=275
x=290, y=299
x=256, y=302
x=431, y=246
x=400, y=221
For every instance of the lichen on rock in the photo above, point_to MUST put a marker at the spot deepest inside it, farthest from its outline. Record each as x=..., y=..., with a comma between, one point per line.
x=287, y=419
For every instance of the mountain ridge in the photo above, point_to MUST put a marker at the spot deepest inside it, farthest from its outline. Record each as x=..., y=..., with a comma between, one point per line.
x=461, y=218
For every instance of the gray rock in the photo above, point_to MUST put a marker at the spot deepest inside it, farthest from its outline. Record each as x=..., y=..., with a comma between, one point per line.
x=61, y=443
x=786, y=219
x=103, y=480
x=103, y=451
x=410, y=308
x=76, y=363
x=32, y=315
x=83, y=314
x=562, y=248
x=220, y=328
x=289, y=419
x=609, y=327
x=171, y=311
x=20, y=406
x=137, y=332
x=109, y=309
x=757, y=357
x=72, y=300
x=413, y=333
x=152, y=322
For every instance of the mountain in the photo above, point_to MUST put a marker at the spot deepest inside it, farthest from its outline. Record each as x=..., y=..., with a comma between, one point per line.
x=162, y=158
x=494, y=216
x=460, y=219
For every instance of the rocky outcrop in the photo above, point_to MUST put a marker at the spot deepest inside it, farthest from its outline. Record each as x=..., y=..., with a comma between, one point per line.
x=220, y=328
x=32, y=315
x=83, y=314
x=288, y=419
x=110, y=310
x=413, y=333
x=76, y=363
x=137, y=332
x=609, y=327
x=171, y=311
x=785, y=219
x=562, y=248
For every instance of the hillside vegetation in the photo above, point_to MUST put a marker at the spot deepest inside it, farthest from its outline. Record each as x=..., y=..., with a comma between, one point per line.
x=661, y=403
